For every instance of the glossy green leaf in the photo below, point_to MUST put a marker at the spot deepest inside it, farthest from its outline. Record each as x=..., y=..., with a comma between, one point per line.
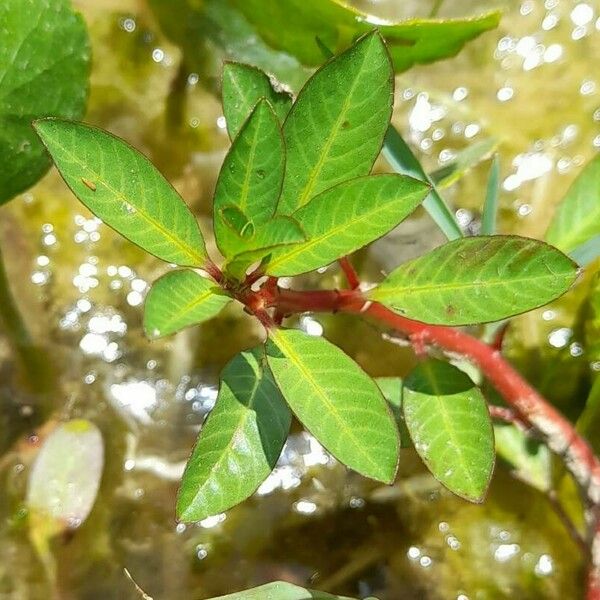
x=577, y=217
x=450, y=426
x=477, y=280
x=490, y=206
x=250, y=181
x=345, y=218
x=280, y=590
x=293, y=25
x=44, y=68
x=180, y=299
x=240, y=442
x=403, y=161
x=122, y=187
x=462, y=163
x=391, y=388
x=243, y=87
x=336, y=401
x=530, y=459
x=335, y=128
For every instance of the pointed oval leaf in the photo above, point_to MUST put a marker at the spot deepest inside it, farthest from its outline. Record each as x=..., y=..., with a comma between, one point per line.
x=281, y=590
x=251, y=177
x=336, y=401
x=449, y=423
x=180, y=299
x=243, y=87
x=122, y=187
x=335, y=128
x=577, y=218
x=477, y=280
x=66, y=474
x=44, y=69
x=240, y=442
x=293, y=25
x=345, y=218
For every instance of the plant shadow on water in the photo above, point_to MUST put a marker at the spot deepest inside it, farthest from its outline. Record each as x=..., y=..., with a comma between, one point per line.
x=81, y=287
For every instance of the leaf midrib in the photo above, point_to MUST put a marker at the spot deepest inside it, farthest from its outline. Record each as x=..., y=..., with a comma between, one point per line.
x=189, y=307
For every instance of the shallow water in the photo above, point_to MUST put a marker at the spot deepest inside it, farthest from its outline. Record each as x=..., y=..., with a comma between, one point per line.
x=532, y=84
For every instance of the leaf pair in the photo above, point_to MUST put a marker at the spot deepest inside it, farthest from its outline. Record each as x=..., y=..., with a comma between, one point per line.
x=304, y=193
x=327, y=391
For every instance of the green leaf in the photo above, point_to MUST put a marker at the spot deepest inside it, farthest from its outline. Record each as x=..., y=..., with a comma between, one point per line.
x=588, y=423
x=530, y=459
x=490, y=207
x=391, y=388
x=577, y=218
x=345, y=218
x=335, y=128
x=477, y=280
x=250, y=180
x=243, y=87
x=336, y=401
x=122, y=187
x=463, y=162
x=450, y=425
x=180, y=299
x=240, y=442
x=403, y=161
x=293, y=25
x=280, y=590
x=44, y=69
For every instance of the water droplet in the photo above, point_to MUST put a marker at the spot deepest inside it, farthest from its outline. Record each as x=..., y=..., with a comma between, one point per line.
x=128, y=208
x=25, y=146
x=88, y=184
x=260, y=174
x=156, y=333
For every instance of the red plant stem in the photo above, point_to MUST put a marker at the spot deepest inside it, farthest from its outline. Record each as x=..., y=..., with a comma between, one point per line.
x=508, y=415
x=557, y=432
x=350, y=273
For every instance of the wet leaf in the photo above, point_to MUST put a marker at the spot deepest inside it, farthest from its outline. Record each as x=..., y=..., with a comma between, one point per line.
x=336, y=401
x=577, y=217
x=243, y=87
x=280, y=590
x=450, y=426
x=44, y=69
x=335, y=128
x=65, y=476
x=240, y=442
x=250, y=180
x=477, y=280
x=402, y=159
x=345, y=218
x=294, y=25
x=122, y=187
x=530, y=459
x=180, y=299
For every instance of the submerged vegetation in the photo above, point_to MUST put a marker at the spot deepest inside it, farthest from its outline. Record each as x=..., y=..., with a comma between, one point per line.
x=421, y=357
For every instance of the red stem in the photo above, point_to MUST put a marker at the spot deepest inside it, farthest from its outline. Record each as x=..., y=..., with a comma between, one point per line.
x=350, y=273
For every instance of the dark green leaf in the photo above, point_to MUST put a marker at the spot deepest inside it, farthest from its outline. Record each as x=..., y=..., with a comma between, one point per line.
x=336, y=401
x=577, y=218
x=122, y=187
x=44, y=68
x=477, y=280
x=391, y=388
x=243, y=87
x=240, y=442
x=345, y=218
x=588, y=423
x=250, y=181
x=293, y=25
x=450, y=426
x=180, y=299
x=335, y=128
x=403, y=161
